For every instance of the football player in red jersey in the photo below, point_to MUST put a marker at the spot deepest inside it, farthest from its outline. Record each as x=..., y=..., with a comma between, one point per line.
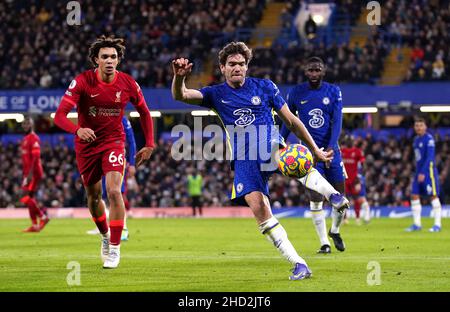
x=353, y=158
x=100, y=96
x=32, y=175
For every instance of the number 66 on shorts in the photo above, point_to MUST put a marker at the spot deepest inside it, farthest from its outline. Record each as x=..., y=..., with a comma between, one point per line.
x=93, y=166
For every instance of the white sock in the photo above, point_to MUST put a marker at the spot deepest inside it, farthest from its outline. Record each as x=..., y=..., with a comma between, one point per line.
x=276, y=234
x=416, y=209
x=318, y=218
x=336, y=220
x=437, y=211
x=365, y=209
x=314, y=181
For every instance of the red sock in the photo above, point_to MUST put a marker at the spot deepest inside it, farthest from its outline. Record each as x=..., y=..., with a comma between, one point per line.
x=115, y=227
x=101, y=223
x=357, y=208
x=34, y=210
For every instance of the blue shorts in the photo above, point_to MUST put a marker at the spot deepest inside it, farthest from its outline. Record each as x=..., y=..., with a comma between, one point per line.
x=248, y=177
x=122, y=189
x=335, y=173
x=362, y=182
x=429, y=187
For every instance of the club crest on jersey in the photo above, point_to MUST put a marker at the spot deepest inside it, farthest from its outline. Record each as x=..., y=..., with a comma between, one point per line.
x=256, y=100
x=239, y=187
x=118, y=96
x=92, y=111
x=326, y=101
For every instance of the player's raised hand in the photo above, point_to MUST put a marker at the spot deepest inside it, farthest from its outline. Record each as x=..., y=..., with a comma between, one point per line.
x=321, y=155
x=86, y=134
x=181, y=67
x=143, y=155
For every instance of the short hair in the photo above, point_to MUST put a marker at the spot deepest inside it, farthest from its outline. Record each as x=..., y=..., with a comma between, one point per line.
x=235, y=48
x=420, y=119
x=314, y=59
x=106, y=42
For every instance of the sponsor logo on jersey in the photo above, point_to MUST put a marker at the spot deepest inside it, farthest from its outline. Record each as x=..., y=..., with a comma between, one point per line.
x=109, y=112
x=92, y=111
x=246, y=117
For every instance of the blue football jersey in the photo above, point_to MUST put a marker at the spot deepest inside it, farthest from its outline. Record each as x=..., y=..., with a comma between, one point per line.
x=320, y=110
x=424, y=151
x=245, y=112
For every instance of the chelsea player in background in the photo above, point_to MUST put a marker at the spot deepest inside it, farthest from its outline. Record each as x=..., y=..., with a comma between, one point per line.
x=245, y=103
x=426, y=179
x=319, y=106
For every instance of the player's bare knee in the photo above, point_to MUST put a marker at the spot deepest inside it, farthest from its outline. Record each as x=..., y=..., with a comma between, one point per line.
x=114, y=194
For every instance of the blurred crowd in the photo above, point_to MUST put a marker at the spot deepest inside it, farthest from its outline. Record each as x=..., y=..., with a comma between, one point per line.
x=44, y=51
x=163, y=181
x=424, y=26
x=344, y=64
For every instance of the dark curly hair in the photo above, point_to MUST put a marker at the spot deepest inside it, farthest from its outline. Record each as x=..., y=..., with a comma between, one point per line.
x=235, y=48
x=106, y=42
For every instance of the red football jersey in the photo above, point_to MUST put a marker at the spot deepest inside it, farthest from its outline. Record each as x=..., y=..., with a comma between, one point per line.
x=352, y=157
x=30, y=148
x=101, y=105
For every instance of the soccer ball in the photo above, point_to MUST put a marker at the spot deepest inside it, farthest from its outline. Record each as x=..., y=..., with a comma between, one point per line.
x=295, y=161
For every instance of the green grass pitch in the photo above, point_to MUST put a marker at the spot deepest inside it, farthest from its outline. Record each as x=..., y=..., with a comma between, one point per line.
x=222, y=255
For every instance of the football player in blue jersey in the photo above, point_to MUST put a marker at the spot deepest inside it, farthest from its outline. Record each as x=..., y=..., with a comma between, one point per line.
x=245, y=105
x=318, y=104
x=426, y=179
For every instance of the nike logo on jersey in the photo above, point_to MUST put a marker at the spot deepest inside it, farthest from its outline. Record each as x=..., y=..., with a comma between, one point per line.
x=303, y=102
x=115, y=165
x=94, y=95
x=226, y=102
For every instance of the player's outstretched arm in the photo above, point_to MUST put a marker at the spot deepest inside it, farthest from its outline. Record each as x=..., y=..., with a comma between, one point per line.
x=298, y=128
x=181, y=68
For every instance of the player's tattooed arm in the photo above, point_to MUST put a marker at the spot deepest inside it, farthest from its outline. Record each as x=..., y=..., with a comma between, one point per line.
x=296, y=126
x=181, y=68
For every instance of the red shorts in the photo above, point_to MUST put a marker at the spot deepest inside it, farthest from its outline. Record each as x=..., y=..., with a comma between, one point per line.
x=93, y=166
x=32, y=185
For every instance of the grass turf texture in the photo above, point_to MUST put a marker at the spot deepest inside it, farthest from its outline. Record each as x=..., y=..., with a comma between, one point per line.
x=222, y=255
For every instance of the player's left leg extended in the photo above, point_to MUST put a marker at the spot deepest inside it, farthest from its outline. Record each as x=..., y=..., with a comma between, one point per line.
x=276, y=234
x=116, y=217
